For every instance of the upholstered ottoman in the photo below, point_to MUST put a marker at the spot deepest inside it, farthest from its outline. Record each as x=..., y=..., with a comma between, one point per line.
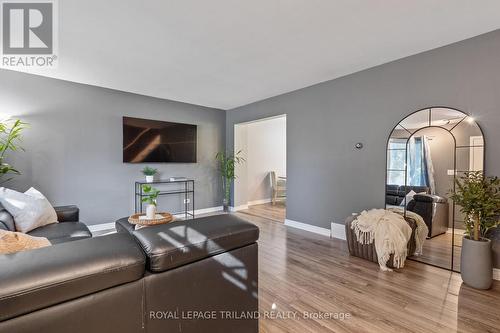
x=367, y=251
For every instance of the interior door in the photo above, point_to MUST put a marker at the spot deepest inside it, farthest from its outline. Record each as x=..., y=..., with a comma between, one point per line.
x=476, y=153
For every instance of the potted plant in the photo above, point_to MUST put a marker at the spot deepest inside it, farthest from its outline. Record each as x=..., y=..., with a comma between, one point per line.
x=227, y=163
x=150, y=173
x=151, y=195
x=10, y=136
x=479, y=199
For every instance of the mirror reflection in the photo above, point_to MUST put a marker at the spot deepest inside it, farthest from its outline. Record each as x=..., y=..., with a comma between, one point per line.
x=426, y=151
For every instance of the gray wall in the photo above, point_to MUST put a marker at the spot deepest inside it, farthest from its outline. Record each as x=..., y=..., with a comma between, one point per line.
x=74, y=146
x=328, y=178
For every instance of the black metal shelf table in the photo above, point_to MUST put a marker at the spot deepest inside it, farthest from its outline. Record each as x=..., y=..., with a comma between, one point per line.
x=186, y=188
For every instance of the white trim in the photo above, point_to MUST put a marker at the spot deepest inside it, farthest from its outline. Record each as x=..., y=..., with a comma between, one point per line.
x=338, y=231
x=101, y=226
x=496, y=274
x=307, y=227
x=472, y=150
x=284, y=115
x=208, y=210
x=111, y=225
x=258, y=202
x=201, y=211
x=237, y=208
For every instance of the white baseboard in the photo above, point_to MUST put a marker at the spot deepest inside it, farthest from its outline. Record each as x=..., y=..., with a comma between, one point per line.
x=237, y=208
x=201, y=211
x=496, y=274
x=111, y=225
x=208, y=210
x=338, y=231
x=259, y=202
x=307, y=227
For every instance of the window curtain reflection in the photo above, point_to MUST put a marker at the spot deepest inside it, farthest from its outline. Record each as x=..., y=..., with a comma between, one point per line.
x=420, y=167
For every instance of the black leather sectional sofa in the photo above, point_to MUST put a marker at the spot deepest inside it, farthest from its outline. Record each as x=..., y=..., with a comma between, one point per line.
x=432, y=208
x=193, y=276
x=395, y=194
x=58, y=232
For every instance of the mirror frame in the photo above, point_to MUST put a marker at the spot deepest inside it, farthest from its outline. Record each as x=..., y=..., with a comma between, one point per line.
x=411, y=134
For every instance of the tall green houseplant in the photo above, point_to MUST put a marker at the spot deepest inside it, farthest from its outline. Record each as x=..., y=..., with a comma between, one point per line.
x=227, y=163
x=479, y=200
x=10, y=138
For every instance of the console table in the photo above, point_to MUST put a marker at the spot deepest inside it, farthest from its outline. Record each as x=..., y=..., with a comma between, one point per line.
x=184, y=188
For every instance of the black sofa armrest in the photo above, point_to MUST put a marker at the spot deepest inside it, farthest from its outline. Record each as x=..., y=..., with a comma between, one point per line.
x=36, y=279
x=175, y=244
x=433, y=209
x=429, y=198
x=67, y=213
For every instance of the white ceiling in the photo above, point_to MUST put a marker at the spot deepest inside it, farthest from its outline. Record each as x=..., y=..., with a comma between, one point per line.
x=226, y=53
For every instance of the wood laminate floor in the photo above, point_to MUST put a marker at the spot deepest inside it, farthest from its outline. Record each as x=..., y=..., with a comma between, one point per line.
x=276, y=212
x=437, y=251
x=304, y=272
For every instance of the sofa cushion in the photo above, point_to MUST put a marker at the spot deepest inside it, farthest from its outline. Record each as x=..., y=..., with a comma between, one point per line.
x=391, y=200
x=404, y=190
x=407, y=198
x=62, y=232
x=30, y=209
x=178, y=243
x=36, y=279
x=6, y=220
x=392, y=190
x=429, y=198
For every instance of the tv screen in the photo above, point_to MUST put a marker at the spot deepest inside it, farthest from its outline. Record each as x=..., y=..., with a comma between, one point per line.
x=148, y=141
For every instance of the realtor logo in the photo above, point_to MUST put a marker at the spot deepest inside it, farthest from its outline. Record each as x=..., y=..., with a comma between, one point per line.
x=28, y=28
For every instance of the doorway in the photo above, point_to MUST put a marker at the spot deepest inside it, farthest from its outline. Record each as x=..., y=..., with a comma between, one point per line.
x=260, y=186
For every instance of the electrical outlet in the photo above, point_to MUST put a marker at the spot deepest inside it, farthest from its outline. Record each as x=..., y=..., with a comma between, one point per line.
x=186, y=201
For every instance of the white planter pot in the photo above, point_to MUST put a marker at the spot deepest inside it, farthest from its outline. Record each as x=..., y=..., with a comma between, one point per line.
x=150, y=212
x=150, y=179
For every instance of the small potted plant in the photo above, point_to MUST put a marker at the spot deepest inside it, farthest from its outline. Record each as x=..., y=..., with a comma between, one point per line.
x=227, y=164
x=479, y=199
x=150, y=173
x=151, y=195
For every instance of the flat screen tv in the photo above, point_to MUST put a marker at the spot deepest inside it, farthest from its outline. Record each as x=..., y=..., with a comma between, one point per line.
x=150, y=141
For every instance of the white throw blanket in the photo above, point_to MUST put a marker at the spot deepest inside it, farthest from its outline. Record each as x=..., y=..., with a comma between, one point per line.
x=420, y=233
x=390, y=232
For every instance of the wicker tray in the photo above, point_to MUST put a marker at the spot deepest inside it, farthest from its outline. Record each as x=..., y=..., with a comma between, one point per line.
x=134, y=219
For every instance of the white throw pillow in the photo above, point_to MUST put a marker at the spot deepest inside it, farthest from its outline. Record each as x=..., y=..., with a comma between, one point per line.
x=30, y=209
x=409, y=197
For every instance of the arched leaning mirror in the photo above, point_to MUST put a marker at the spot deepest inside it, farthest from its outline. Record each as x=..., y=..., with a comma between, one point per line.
x=426, y=152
